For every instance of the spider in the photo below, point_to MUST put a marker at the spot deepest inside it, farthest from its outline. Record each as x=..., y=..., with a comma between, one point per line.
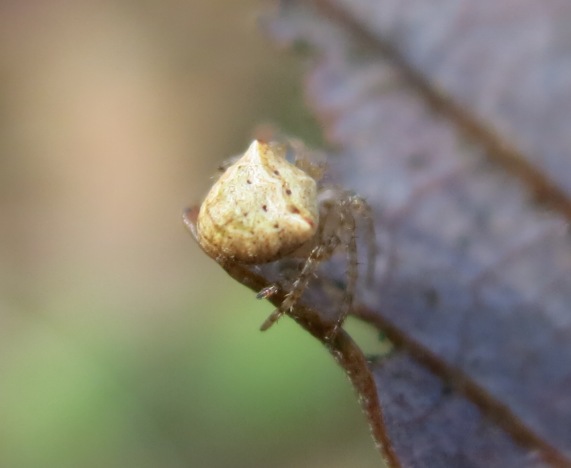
x=264, y=209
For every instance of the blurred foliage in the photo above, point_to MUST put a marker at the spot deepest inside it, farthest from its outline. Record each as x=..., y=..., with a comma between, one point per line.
x=122, y=344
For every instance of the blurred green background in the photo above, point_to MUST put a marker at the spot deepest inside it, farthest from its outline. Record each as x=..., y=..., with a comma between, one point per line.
x=121, y=344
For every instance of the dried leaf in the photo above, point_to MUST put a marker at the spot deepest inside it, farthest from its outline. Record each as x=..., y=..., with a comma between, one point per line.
x=452, y=119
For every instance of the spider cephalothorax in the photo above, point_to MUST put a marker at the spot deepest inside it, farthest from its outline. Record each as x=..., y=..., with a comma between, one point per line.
x=264, y=208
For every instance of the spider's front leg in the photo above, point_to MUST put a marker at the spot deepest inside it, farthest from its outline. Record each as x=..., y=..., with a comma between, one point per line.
x=323, y=248
x=347, y=231
x=268, y=291
x=359, y=206
x=351, y=207
x=320, y=252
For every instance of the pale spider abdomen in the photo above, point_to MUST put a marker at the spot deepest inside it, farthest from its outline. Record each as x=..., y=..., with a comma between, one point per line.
x=260, y=209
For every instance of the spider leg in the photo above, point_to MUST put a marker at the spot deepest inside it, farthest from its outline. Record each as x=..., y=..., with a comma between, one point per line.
x=361, y=206
x=354, y=205
x=319, y=253
x=322, y=250
x=345, y=212
x=268, y=291
x=272, y=318
x=348, y=226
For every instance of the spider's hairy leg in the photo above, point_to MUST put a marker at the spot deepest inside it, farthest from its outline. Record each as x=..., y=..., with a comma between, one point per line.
x=268, y=291
x=282, y=284
x=323, y=249
x=272, y=318
x=319, y=253
x=359, y=205
x=341, y=212
x=348, y=228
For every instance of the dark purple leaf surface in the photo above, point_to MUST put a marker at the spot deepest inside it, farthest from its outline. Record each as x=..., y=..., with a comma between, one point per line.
x=453, y=118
